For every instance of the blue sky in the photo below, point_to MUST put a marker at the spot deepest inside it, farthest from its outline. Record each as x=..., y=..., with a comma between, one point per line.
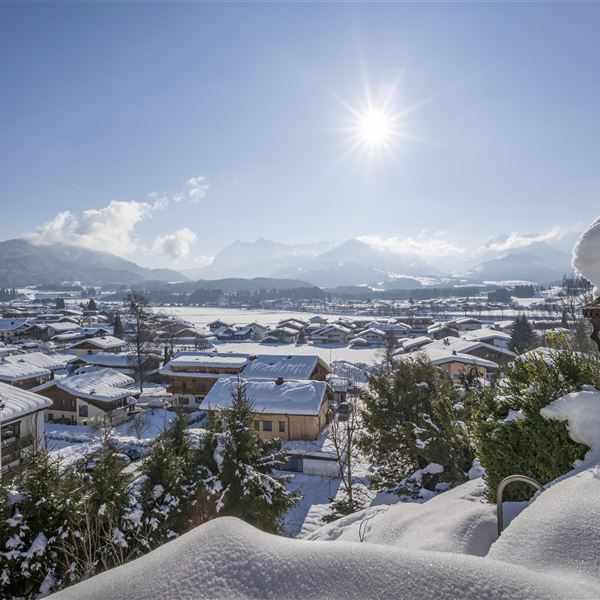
x=110, y=102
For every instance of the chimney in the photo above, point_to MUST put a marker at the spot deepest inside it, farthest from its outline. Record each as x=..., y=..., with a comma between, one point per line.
x=279, y=380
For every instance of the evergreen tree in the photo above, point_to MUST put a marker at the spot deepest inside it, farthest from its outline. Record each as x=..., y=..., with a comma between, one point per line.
x=409, y=422
x=511, y=436
x=245, y=463
x=118, y=327
x=60, y=303
x=175, y=474
x=91, y=305
x=523, y=336
x=29, y=540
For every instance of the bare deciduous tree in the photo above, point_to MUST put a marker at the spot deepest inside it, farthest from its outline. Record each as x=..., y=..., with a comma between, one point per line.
x=143, y=336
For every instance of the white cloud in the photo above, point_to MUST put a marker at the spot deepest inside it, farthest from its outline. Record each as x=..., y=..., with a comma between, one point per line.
x=112, y=228
x=423, y=245
x=521, y=240
x=197, y=187
x=175, y=245
x=109, y=229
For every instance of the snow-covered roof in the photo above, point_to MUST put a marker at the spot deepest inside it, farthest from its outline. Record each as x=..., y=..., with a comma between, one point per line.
x=268, y=396
x=110, y=359
x=485, y=334
x=44, y=361
x=465, y=346
x=104, y=342
x=100, y=385
x=207, y=361
x=272, y=366
x=440, y=356
x=421, y=340
x=17, y=371
x=18, y=402
x=11, y=324
x=63, y=326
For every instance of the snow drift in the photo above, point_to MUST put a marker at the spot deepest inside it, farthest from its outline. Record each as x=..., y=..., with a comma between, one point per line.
x=458, y=521
x=586, y=255
x=552, y=550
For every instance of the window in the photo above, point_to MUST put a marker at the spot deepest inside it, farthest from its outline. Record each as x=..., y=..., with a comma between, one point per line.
x=83, y=410
x=50, y=416
x=199, y=399
x=281, y=426
x=267, y=425
x=257, y=425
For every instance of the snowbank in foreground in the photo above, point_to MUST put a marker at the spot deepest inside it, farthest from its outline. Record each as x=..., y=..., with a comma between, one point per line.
x=586, y=255
x=457, y=521
x=227, y=558
x=560, y=532
x=550, y=551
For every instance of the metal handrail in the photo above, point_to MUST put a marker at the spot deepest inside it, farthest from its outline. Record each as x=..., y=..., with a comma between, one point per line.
x=500, y=494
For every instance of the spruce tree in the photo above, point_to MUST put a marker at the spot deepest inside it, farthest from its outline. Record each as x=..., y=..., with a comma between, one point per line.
x=92, y=305
x=174, y=475
x=523, y=336
x=410, y=422
x=245, y=463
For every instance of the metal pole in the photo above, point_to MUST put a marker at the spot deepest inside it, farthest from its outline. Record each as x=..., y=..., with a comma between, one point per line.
x=500, y=493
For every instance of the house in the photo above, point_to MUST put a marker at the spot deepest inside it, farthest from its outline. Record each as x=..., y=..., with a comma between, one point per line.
x=290, y=410
x=23, y=375
x=191, y=375
x=331, y=334
x=53, y=362
x=105, y=343
x=501, y=339
x=21, y=423
x=13, y=328
x=415, y=344
x=282, y=335
x=216, y=324
x=465, y=324
x=474, y=348
x=373, y=336
x=124, y=363
x=457, y=363
x=274, y=366
x=90, y=397
x=60, y=327
x=317, y=320
x=439, y=331
x=294, y=323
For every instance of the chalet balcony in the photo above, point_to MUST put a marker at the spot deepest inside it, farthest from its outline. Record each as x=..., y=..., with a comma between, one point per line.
x=12, y=451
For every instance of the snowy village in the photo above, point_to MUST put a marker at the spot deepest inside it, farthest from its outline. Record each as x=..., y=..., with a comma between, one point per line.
x=299, y=300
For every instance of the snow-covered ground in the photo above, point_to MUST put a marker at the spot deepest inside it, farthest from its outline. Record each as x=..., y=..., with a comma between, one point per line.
x=72, y=442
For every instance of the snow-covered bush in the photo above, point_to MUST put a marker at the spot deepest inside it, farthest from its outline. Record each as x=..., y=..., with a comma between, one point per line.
x=512, y=437
x=410, y=423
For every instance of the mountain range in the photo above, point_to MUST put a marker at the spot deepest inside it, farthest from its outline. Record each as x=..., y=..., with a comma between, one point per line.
x=354, y=262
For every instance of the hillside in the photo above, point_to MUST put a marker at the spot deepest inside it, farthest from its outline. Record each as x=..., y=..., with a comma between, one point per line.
x=23, y=263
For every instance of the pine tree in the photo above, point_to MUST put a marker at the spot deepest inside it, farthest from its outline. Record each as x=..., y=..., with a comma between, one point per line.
x=91, y=305
x=523, y=336
x=60, y=303
x=409, y=422
x=250, y=491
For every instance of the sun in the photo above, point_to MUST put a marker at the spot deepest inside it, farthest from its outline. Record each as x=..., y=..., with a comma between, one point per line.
x=375, y=127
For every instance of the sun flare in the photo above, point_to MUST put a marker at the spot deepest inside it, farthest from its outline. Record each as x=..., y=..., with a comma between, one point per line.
x=374, y=127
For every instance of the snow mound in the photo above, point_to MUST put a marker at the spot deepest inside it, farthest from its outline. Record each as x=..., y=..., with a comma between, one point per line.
x=457, y=521
x=226, y=558
x=586, y=255
x=582, y=412
x=559, y=533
